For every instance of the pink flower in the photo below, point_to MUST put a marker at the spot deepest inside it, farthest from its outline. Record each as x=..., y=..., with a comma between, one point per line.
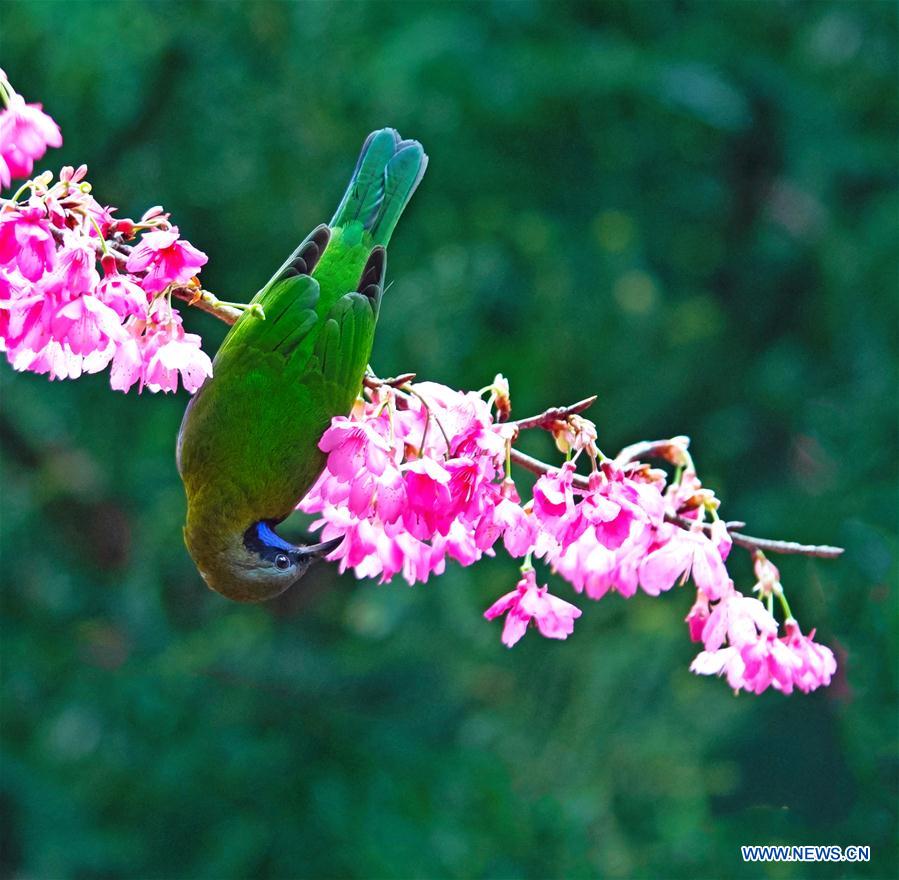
x=697, y=617
x=26, y=240
x=402, y=505
x=428, y=499
x=25, y=133
x=768, y=661
x=57, y=316
x=738, y=619
x=459, y=544
x=53, y=359
x=680, y=553
x=87, y=325
x=155, y=355
x=75, y=272
x=181, y=354
x=352, y=445
x=725, y=661
x=121, y=292
x=767, y=575
x=508, y=519
x=128, y=360
x=166, y=260
x=816, y=663
x=554, y=617
x=555, y=507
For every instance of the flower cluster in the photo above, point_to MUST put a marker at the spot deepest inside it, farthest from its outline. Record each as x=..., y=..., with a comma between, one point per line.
x=421, y=472
x=413, y=477
x=74, y=297
x=740, y=638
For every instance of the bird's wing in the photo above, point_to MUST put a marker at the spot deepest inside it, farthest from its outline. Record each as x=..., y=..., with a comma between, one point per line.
x=247, y=371
x=289, y=318
x=344, y=344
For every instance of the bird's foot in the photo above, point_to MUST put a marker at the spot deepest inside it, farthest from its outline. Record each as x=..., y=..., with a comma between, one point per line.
x=370, y=380
x=214, y=302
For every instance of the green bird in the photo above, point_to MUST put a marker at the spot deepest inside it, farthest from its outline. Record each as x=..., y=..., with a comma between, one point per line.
x=248, y=444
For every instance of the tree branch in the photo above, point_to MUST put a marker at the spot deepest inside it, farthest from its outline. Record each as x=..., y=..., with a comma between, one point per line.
x=823, y=551
x=554, y=414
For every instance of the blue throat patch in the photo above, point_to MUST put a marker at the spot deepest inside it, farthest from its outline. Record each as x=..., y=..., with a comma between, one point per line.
x=261, y=538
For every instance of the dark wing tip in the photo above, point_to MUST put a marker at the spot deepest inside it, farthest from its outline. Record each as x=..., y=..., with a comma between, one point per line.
x=374, y=271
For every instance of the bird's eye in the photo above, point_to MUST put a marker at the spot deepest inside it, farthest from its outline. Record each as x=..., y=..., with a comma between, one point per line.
x=282, y=561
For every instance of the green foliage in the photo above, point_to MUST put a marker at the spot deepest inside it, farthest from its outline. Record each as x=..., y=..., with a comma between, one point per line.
x=688, y=208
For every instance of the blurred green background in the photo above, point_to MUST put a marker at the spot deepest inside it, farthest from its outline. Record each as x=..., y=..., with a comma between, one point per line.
x=688, y=208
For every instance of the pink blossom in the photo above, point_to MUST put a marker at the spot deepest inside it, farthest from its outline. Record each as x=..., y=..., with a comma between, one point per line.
x=428, y=498
x=767, y=576
x=155, y=355
x=725, y=661
x=816, y=663
x=121, y=293
x=617, y=519
x=595, y=569
x=680, y=553
x=555, y=507
x=75, y=272
x=459, y=544
x=53, y=359
x=768, y=662
x=26, y=240
x=165, y=259
x=697, y=617
x=87, y=325
x=25, y=133
x=554, y=617
x=179, y=356
x=508, y=519
x=352, y=445
x=738, y=619
x=404, y=495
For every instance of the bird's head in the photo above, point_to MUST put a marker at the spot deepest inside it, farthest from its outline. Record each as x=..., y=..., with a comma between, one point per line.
x=261, y=565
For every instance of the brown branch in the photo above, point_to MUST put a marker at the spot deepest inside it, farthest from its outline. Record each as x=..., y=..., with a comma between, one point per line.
x=554, y=414
x=535, y=466
x=823, y=551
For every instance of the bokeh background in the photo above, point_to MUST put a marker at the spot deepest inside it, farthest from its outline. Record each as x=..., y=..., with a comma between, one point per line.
x=688, y=208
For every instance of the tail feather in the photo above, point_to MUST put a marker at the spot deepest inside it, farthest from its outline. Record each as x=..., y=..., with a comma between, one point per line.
x=386, y=175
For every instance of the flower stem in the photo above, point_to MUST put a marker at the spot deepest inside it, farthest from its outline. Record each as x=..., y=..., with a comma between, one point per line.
x=788, y=615
x=12, y=202
x=553, y=414
x=96, y=226
x=410, y=390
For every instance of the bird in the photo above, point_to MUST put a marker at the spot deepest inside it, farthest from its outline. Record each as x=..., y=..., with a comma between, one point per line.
x=247, y=449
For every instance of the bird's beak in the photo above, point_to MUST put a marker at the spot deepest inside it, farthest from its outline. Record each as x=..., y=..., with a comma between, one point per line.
x=317, y=551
